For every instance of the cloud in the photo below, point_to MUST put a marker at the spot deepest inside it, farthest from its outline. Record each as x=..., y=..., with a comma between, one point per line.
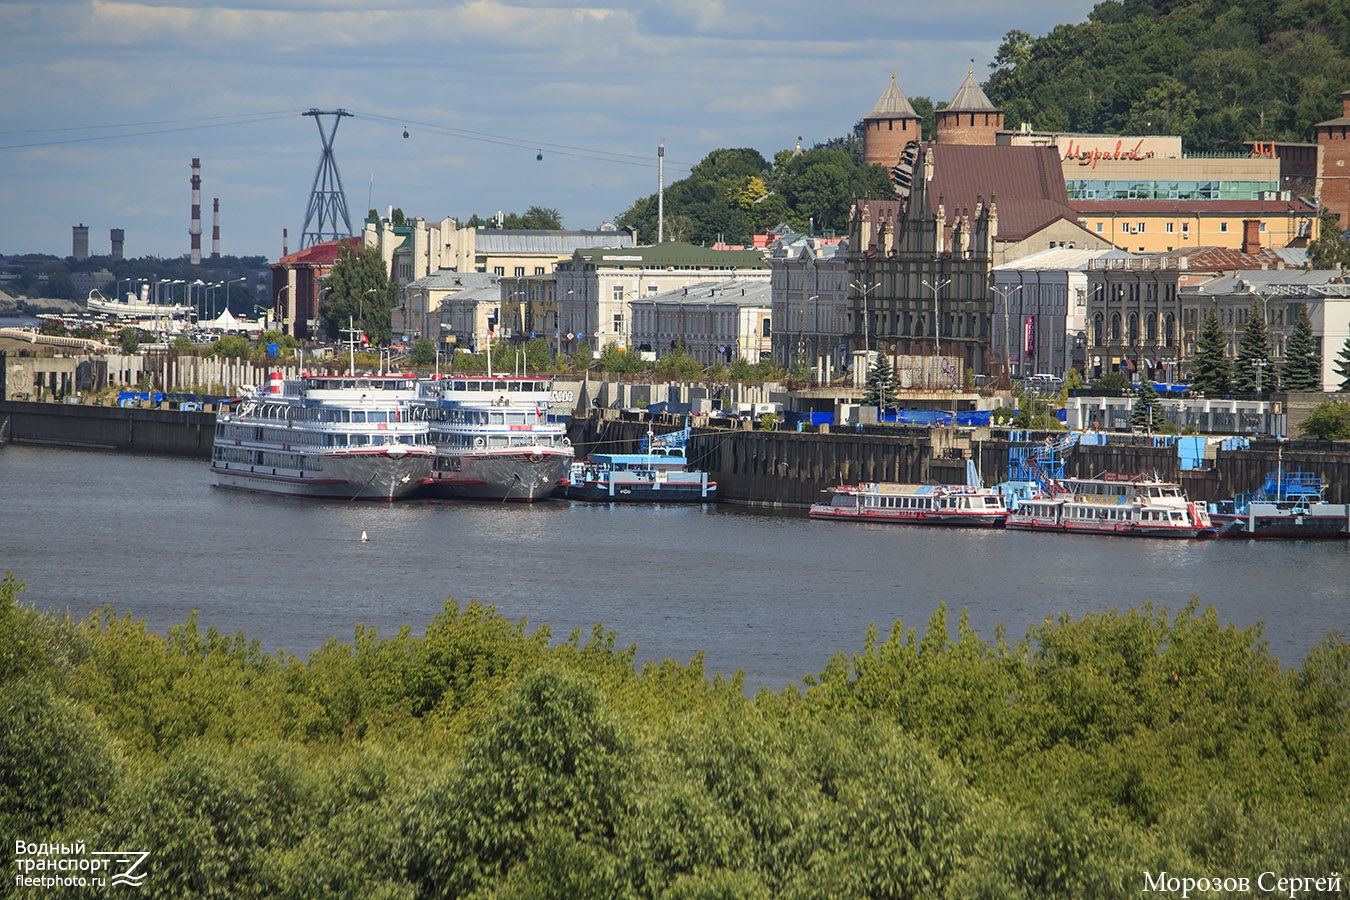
x=118, y=96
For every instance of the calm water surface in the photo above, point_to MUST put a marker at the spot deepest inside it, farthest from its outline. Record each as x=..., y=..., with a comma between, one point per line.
x=774, y=595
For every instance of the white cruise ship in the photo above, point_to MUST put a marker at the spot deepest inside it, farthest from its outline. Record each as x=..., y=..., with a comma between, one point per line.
x=352, y=437
x=496, y=436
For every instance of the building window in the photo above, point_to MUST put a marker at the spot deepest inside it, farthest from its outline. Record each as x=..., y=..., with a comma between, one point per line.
x=617, y=292
x=539, y=270
x=498, y=270
x=1139, y=229
x=520, y=271
x=1263, y=227
x=1223, y=227
x=1099, y=227
x=1168, y=228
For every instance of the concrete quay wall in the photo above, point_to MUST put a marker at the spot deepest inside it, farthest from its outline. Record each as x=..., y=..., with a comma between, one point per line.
x=765, y=468
x=166, y=432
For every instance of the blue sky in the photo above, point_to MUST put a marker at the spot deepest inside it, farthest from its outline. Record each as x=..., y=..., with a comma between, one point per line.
x=107, y=102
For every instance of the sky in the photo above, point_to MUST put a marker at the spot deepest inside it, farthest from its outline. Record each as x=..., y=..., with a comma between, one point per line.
x=106, y=103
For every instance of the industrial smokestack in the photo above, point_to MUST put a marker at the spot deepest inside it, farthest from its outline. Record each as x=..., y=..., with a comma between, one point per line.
x=117, y=236
x=195, y=232
x=284, y=251
x=215, y=228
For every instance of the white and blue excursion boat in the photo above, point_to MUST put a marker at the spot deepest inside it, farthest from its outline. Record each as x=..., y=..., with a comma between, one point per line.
x=1115, y=504
x=658, y=474
x=343, y=436
x=1289, y=505
x=969, y=506
x=496, y=437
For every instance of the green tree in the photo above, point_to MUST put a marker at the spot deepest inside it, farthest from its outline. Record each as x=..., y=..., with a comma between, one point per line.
x=1330, y=250
x=1146, y=414
x=1328, y=421
x=423, y=353
x=880, y=388
x=231, y=346
x=1114, y=380
x=679, y=365
x=1253, y=355
x=1302, y=359
x=1212, y=371
x=1343, y=366
x=619, y=361
x=130, y=340
x=360, y=295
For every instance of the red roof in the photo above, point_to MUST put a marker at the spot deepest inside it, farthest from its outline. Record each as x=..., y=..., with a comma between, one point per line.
x=1027, y=183
x=323, y=255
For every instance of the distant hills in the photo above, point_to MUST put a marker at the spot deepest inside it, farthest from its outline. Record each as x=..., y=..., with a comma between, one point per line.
x=1215, y=72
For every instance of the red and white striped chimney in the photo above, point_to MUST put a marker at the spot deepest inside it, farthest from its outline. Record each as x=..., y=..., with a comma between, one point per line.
x=215, y=228
x=284, y=251
x=195, y=231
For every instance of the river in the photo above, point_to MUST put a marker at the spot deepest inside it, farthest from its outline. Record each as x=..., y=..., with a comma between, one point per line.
x=772, y=594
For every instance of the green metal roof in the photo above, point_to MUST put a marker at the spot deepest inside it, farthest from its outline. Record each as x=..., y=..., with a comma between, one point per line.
x=672, y=253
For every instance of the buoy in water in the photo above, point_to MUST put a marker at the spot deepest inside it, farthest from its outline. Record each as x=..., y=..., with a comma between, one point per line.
x=364, y=539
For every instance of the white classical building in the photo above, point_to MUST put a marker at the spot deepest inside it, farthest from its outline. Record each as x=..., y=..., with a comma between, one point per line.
x=1040, y=311
x=714, y=321
x=598, y=287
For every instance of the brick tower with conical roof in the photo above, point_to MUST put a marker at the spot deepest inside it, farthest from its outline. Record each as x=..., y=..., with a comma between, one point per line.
x=890, y=125
x=970, y=119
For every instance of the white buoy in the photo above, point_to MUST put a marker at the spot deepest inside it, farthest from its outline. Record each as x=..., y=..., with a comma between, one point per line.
x=364, y=538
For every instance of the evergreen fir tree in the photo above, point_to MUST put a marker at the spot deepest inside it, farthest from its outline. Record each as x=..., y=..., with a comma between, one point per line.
x=1253, y=355
x=1212, y=371
x=1146, y=414
x=1302, y=360
x=880, y=390
x=1343, y=366
x=1331, y=248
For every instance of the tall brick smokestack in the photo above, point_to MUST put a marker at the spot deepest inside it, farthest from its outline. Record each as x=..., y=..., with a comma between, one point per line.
x=195, y=231
x=284, y=250
x=215, y=228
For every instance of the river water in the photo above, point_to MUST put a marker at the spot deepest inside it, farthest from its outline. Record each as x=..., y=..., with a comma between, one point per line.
x=772, y=594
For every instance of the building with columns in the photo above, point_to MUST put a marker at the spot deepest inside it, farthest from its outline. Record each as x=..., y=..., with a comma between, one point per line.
x=596, y=286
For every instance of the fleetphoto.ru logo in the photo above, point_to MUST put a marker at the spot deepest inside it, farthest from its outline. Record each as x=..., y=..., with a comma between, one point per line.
x=71, y=865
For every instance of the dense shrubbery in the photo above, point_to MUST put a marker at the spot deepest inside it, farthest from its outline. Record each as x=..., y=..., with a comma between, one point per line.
x=486, y=760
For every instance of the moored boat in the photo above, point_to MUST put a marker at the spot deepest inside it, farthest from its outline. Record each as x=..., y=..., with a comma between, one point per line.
x=659, y=473
x=496, y=437
x=1114, y=504
x=914, y=504
x=344, y=436
x=1289, y=505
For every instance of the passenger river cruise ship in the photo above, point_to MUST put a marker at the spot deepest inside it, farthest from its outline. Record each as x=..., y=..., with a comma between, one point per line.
x=345, y=436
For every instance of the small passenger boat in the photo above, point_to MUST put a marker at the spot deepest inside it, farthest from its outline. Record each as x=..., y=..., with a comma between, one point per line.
x=914, y=504
x=660, y=473
x=1114, y=504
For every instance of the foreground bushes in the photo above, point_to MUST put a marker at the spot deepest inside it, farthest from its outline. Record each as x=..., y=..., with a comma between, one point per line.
x=483, y=760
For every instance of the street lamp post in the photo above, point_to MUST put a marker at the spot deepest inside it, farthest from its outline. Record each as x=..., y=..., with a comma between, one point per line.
x=864, y=291
x=937, y=320
x=227, y=289
x=1007, y=333
x=277, y=311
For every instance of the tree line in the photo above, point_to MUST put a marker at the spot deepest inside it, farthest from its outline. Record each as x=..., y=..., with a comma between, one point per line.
x=483, y=759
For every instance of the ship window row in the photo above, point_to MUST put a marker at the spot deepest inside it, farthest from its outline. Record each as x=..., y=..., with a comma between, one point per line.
x=284, y=413
x=271, y=459
x=515, y=387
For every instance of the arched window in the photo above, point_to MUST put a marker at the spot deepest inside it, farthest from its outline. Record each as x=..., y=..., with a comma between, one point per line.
x=1133, y=329
x=1115, y=328
x=1150, y=328
x=1169, y=329
x=1098, y=325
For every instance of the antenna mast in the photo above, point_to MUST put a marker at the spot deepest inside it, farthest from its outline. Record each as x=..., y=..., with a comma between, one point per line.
x=326, y=198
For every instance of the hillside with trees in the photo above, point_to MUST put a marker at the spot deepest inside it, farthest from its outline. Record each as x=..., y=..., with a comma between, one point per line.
x=481, y=759
x=1215, y=72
